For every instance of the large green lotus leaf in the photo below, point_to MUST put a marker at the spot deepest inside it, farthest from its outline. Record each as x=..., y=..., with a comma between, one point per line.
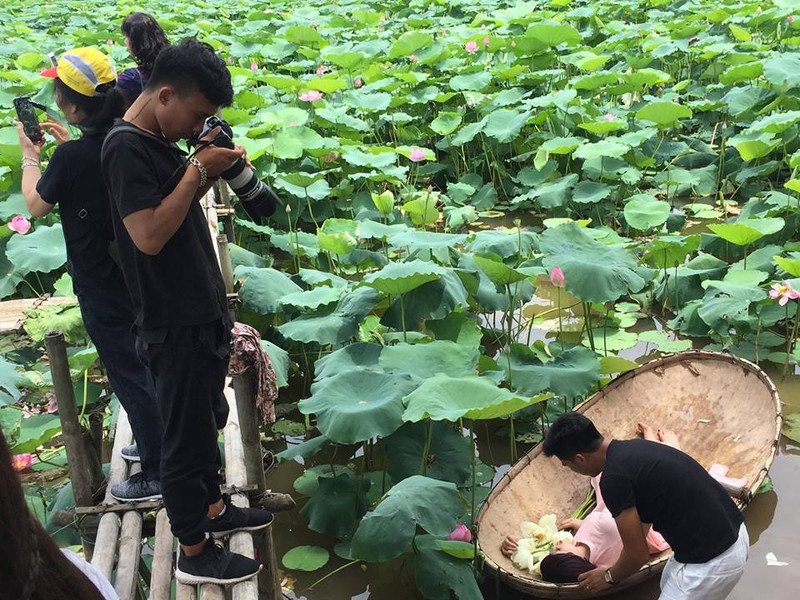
x=571, y=374
x=305, y=449
x=9, y=277
x=607, y=148
x=775, y=122
x=303, y=35
x=790, y=265
x=314, y=298
x=791, y=427
x=337, y=505
x=417, y=501
x=497, y=271
x=504, y=243
x=280, y=361
x=426, y=360
x=504, y=125
x=9, y=379
x=489, y=296
x=432, y=300
x=562, y=145
x=446, y=123
x=313, y=278
x=665, y=342
x=754, y=145
x=305, y=558
x=664, y=113
x=443, y=398
x=415, y=242
x=36, y=431
x=552, y=33
x=338, y=236
x=746, y=231
x=611, y=339
x=264, y=288
x=590, y=192
x=245, y=258
x=458, y=328
x=783, y=69
x=441, y=576
x=644, y=212
x=358, y=405
x=308, y=483
x=449, y=453
x=555, y=193
x=593, y=271
x=409, y=43
x=468, y=132
x=663, y=252
x=377, y=160
x=41, y=251
x=65, y=318
x=473, y=82
x=354, y=357
x=399, y=278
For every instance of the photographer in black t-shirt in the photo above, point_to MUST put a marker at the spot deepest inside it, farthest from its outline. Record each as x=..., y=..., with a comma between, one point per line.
x=646, y=484
x=182, y=325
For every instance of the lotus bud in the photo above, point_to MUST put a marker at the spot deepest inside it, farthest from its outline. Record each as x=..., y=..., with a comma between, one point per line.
x=460, y=534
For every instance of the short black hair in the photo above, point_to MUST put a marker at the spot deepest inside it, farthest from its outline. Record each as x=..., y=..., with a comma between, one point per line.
x=193, y=66
x=146, y=38
x=564, y=568
x=571, y=434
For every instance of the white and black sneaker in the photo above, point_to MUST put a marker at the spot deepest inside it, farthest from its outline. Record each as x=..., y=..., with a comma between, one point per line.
x=214, y=564
x=136, y=489
x=237, y=519
x=131, y=453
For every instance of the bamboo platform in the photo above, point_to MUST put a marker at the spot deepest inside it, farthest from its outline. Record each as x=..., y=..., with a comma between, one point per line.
x=119, y=544
x=12, y=312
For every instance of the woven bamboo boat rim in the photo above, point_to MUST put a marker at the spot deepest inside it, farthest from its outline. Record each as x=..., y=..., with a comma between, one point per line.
x=723, y=408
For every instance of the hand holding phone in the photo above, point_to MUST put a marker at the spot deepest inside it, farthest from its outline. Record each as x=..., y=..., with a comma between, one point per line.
x=30, y=122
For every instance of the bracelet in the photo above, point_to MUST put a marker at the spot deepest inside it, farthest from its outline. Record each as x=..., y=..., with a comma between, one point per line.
x=30, y=162
x=202, y=170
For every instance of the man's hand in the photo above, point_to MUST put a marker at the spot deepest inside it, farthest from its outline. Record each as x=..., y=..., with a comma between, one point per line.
x=593, y=581
x=509, y=545
x=217, y=160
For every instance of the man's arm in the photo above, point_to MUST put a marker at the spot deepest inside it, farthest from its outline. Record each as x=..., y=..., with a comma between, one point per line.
x=151, y=228
x=634, y=553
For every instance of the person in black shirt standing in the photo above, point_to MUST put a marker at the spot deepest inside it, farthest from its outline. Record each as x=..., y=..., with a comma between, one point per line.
x=646, y=484
x=182, y=326
x=84, y=80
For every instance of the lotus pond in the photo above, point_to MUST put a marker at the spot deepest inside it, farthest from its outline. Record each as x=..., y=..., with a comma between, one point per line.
x=491, y=209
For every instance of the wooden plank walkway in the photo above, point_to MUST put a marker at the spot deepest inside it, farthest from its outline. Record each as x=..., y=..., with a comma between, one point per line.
x=118, y=547
x=12, y=312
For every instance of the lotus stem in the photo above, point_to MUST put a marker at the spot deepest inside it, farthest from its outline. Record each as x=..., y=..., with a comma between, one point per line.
x=474, y=451
x=587, y=317
x=513, y=439
x=403, y=318
x=789, y=338
x=334, y=572
x=558, y=301
x=423, y=467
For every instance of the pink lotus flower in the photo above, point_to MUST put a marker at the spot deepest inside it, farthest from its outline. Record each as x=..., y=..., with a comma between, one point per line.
x=20, y=225
x=254, y=66
x=610, y=117
x=311, y=96
x=383, y=19
x=471, y=46
x=557, y=277
x=21, y=462
x=783, y=292
x=52, y=406
x=320, y=70
x=790, y=19
x=460, y=534
x=358, y=82
x=486, y=41
x=416, y=155
x=413, y=58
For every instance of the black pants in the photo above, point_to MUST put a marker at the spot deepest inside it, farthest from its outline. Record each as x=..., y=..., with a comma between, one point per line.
x=189, y=365
x=108, y=315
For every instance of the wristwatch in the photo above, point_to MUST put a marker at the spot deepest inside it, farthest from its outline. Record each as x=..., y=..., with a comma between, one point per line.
x=608, y=578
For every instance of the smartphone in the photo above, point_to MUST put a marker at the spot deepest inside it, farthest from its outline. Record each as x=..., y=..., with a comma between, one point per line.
x=27, y=116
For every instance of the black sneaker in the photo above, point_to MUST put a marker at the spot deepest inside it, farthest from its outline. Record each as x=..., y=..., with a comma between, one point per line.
x=130, y=453
x=137, y=488
x=237, y=519
x=214, y=565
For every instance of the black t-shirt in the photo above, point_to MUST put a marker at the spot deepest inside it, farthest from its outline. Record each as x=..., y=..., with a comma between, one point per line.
x=181, y=285
x=74, y=181
x=673, y=492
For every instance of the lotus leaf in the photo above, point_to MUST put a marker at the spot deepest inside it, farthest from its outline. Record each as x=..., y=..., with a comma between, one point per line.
x=264, y=288
x=305, y=558
x=664, y=113
x=616, y=364
x=570, y=374
x=593, y=271
x=472, y=397
x=338, y=236
x=432, y=300
x=398, y=278
x=449, y=452
x=665, y=342
x=590, y=192
x=458, y=328
x=337, y=505
x=313, y=298
x=746, y=231
x=426, y=360
x=308, y=483
x=355, y=406
x=36, y=431
x=9, y=379
x=790, y=265
x=441, y=576
x=354, y=357
x=305, y=449
x=41, y=250
x=644, y=212
x=607, y=148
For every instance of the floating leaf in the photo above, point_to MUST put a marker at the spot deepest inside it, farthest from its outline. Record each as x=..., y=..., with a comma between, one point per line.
x=305, y=558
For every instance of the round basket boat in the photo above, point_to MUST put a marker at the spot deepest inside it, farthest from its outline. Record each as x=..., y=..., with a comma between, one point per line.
x=724, y=410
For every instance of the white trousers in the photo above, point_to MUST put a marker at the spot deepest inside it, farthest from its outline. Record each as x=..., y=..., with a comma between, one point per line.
x=712, y=580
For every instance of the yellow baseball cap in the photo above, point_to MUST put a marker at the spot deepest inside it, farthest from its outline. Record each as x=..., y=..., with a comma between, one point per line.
x=83, y=70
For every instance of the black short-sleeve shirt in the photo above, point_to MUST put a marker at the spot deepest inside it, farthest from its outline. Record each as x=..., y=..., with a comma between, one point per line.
x=673, y=492
x=181, y=285
x=74, y=181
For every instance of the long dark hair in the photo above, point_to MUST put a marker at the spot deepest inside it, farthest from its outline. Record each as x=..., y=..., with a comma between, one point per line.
x=31, y=565
x=100, y=110
x=147, y=40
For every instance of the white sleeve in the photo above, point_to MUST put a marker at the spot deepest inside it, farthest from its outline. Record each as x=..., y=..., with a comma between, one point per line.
x=95, y=576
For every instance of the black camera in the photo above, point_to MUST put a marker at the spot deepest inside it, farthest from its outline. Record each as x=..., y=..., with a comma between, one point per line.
x=257, y=198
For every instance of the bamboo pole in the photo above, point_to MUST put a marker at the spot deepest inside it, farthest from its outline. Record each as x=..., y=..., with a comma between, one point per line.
x=244, y=386
x=185, y=592
x=105, y=547
x=130, y=550
x=162, y=559
x=84, y=466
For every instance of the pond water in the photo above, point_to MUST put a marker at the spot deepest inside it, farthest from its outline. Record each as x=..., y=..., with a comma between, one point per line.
x=772, y=520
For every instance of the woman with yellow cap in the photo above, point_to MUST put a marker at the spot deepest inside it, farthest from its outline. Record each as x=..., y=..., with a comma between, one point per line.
x=84, y=80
